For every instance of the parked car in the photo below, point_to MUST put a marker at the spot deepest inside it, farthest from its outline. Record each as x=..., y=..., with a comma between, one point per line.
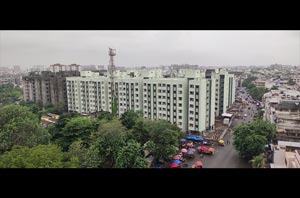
x=206, y=150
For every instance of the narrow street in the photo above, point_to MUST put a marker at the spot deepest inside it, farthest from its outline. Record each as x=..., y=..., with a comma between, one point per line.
x=226, y=156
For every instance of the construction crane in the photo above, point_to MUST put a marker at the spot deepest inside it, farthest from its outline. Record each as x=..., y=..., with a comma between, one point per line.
x=111, y=70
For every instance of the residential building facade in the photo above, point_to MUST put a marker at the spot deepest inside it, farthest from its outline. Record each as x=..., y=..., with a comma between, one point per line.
x=191, y=100
x=47, y=87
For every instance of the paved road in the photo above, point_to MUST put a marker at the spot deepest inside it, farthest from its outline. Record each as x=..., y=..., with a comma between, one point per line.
x=227, y=156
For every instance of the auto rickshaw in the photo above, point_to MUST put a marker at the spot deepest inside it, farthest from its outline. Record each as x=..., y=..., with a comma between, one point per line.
x=221, y=142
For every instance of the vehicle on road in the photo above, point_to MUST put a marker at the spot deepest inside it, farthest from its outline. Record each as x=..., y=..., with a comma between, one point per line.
x=221, y=142
x=206, y=150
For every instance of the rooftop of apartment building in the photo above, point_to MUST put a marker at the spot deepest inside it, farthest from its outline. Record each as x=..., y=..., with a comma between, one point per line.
x=158, y=74
x=282, y=94
x=286, y=155
x=288, y=105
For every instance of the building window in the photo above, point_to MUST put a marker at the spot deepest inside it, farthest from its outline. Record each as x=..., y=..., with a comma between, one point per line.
x=191, y=86
x=191, y=125
x=180, y=85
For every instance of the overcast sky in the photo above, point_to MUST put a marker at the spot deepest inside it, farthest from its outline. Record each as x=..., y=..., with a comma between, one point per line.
x=150, y=48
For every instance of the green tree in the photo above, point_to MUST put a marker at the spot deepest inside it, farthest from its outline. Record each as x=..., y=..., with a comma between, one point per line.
x=264, y=128
x=251, y=86
x=258, y=162
x=164, y=138
x=34, y=108
x=78, y=151
x=105, y=115
x=9, y=94
x=18, y=126
x=115, y=106
x=248, y=81
x=257, y=93
x=129, y=118
x=48, y=108
x=131, y=155
x=250, y=145
x=56, y=130
x=108, y=140
x=260, y=114
x=274, y=88
x=78, y=128
x=250, y=139
x=291, y=82
x=140, y=131
x=41, y=156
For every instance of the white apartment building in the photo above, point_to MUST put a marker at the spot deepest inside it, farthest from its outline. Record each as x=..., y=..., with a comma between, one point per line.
x=166, y=98
x=201, y=109
x=88, y=93
x=130, y=94
x=231, y=89
x=222, y=91
x=192, y=101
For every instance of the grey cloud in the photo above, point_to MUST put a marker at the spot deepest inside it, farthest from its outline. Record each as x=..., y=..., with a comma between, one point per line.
x=150, y=48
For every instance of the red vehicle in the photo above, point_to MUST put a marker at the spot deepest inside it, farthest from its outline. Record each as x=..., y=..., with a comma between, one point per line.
x=206, y=150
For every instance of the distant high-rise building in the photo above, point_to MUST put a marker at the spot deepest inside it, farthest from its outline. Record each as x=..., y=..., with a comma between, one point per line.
x=47, y=87
x=88, y=67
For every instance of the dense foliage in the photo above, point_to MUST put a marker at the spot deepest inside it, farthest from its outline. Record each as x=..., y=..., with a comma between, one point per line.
x=41, y=156
x=250, y=139
x=129, y=119
x=18, y=126
x=9, y=94
x=101, y=141
x=248, y=81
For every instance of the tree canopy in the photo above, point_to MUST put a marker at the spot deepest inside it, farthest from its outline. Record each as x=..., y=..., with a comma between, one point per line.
x=131, y=155
x=258, y=162
x=108, y=140
x=129, y=118
x=274, y=87
x=257, y=92
x=9, y=93
x=248, y=81
x=78, y=128
x=18, y=126
x=291, y=82
x=250, y=139
x=162, y=137
x=41, y=156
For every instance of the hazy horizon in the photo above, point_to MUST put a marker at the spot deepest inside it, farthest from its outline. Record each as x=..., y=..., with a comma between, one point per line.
x=150, y=48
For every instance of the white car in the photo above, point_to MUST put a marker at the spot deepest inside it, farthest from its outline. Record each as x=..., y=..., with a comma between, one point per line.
x=245, y=115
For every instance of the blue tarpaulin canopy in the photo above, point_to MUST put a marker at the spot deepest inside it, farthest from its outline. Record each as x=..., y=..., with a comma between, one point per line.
x=195, y=138
x=176, y=161
x=183, y=140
